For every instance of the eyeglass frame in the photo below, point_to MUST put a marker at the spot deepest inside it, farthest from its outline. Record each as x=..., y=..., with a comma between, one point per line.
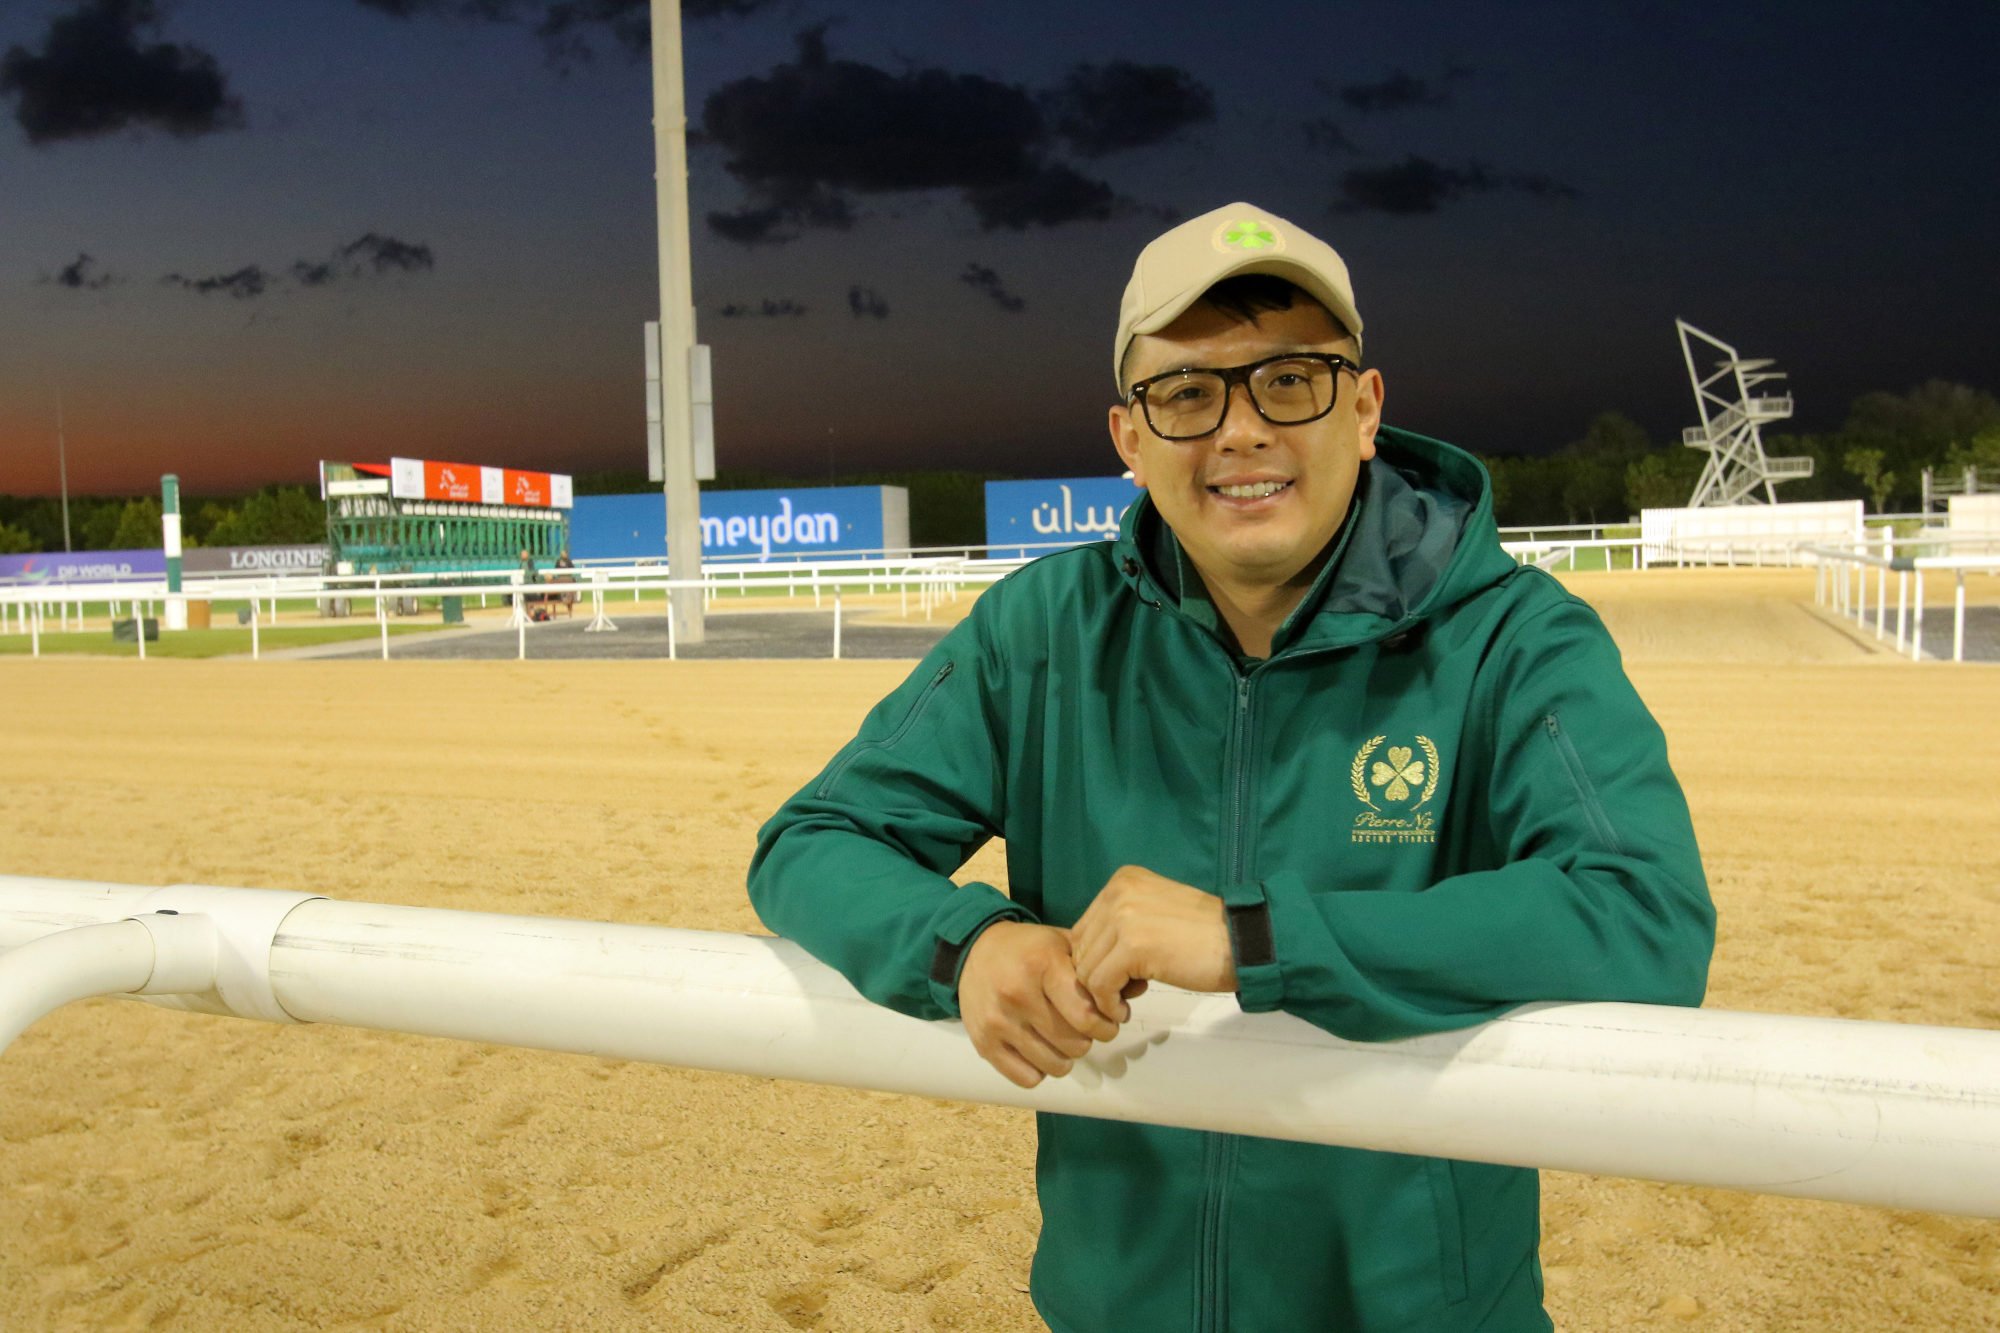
x=1235, y=375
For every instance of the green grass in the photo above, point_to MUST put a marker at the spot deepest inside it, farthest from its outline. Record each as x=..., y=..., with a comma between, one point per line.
x=201, y=642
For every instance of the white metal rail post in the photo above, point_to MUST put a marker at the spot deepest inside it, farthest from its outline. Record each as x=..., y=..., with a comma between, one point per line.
x=1825, y=1108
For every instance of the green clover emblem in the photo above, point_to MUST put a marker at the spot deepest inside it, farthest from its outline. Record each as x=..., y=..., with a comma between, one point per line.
x=1249, y=235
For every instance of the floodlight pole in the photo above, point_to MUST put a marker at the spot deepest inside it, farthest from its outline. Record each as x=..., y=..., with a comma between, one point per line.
x=683, y=493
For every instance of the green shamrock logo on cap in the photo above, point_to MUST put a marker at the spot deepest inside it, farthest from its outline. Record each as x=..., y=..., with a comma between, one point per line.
x=1249, y=234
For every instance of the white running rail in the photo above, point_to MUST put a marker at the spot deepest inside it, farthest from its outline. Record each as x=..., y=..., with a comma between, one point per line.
x=1823, y=1108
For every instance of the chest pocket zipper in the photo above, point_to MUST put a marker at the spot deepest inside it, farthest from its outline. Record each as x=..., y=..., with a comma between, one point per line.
x=902, y=729
x=1586, y=795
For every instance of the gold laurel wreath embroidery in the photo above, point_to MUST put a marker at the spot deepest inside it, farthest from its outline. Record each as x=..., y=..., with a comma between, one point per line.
x=1430, y=753
x=1355, y=775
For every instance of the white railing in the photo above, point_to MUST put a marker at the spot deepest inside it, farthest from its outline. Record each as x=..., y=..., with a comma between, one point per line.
x=1811, y=1107
x=1548, y=554
x=1823, y=1108
x=1842, y=584
x=929, y=583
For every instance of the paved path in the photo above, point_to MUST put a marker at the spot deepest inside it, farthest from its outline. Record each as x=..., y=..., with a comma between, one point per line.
x=1982, y=633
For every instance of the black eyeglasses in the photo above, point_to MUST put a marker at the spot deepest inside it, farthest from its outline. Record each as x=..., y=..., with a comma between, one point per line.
x=1289, y=389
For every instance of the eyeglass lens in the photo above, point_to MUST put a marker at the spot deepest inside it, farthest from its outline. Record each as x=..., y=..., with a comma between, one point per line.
x=1286, y=391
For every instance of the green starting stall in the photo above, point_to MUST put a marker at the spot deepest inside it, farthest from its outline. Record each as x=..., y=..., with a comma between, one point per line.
x=416, y=516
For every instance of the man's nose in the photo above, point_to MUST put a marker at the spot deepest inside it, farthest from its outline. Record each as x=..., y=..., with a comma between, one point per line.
x=1243, y=428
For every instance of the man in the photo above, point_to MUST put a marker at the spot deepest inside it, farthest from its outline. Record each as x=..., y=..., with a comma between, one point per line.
x=1303, y=733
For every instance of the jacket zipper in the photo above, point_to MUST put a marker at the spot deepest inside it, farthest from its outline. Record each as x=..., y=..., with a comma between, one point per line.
x=1586, y=794
x=1219, y=1154
x=902, y=730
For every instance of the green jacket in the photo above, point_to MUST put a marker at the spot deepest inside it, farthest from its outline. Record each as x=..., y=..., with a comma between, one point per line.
x=1437, y=799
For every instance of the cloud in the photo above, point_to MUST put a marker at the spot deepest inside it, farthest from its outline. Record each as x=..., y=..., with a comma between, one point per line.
x=1401, y=91
x=983, y=279
x=1418, y=185
x=1323, y=133
x=866, y=303
x=81, y=275
x=94, y=76
x=496, y=11
x=812, y=133
x=1109, y=108
x=818, y=123
x=385, y=254
x=371, y=253
x=244, y=284
x=768, y=308
x=1047, y=196
x=776, y=223
x=564, y=25
x=567, y=26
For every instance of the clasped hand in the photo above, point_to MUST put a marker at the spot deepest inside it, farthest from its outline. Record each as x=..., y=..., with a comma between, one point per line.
x=1035, y=997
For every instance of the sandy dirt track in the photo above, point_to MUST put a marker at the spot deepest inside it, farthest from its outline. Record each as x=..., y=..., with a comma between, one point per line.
x=164, y=1170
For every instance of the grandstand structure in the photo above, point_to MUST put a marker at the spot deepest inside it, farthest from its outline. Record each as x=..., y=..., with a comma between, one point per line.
x=412, y=516
x=1732, y=414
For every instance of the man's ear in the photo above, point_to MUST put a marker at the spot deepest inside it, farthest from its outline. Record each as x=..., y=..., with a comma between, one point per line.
x=1125, y=439
x=1368, y=391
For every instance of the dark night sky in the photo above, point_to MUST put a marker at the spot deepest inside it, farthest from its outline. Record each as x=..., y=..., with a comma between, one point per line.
x=357, y=228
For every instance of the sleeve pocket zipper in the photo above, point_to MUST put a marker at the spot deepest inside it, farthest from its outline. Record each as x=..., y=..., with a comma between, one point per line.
x=903, y=729
x=1586, y=794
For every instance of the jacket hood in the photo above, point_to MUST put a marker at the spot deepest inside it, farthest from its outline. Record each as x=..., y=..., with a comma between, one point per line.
x=1419, y=537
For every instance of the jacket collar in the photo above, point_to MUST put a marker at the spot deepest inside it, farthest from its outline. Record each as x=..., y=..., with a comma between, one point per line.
x=1418, y=536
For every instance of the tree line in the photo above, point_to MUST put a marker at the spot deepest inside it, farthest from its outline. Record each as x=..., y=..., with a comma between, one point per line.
x=1607, y=475
x=1877, y=455
x=273, y=516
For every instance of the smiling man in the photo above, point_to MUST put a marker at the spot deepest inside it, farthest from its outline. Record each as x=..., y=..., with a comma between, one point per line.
x=1305, y=734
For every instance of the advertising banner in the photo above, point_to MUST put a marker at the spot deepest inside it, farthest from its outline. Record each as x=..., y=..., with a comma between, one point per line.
x=525, y=488
x=83, y=566
x=1044, y=516
x=467, y=483
x=255, y=559
x=751, y=524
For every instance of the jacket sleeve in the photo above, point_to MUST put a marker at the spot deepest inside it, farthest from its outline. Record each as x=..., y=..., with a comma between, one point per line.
x=855, y=867
x=1599, y=894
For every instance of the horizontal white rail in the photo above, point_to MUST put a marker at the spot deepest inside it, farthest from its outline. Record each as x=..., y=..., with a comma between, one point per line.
x=1842, y=586
x=1824, y=1108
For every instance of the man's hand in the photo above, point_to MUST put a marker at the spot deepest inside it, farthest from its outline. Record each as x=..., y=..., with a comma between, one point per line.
x=1145, y=927
x=1023, y=1007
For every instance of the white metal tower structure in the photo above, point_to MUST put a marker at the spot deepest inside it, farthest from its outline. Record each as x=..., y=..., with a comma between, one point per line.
x=1730, y=417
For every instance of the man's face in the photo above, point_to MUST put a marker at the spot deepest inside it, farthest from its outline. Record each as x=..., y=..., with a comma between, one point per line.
x=1256, y=541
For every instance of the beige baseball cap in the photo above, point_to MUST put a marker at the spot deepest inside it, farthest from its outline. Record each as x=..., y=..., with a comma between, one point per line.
x=1177, y=267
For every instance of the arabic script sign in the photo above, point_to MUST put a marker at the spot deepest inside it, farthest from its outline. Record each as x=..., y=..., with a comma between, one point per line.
x=1046, y=515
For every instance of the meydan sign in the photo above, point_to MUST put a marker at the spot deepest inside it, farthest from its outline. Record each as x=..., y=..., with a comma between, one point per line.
x=756, y=525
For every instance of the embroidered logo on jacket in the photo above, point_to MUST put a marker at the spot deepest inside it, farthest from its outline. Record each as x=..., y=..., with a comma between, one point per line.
x=1395, y=785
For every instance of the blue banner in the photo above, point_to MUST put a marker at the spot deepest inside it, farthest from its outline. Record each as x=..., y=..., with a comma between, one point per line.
x=749, y=524
x=1045, y=515
x=83, y=566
